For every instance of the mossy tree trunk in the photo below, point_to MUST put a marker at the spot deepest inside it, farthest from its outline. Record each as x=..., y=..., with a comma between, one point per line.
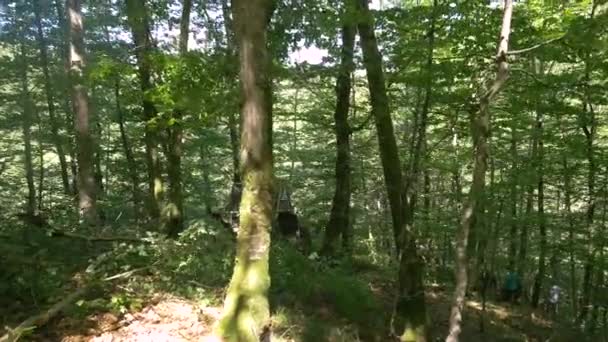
x=338, y=223
x=174, y=210
x=87, y=197
x=411, y=307
x=140, y=27
x=246, y=310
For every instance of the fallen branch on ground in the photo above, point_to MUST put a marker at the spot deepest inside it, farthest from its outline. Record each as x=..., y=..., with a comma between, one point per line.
x=39, y=320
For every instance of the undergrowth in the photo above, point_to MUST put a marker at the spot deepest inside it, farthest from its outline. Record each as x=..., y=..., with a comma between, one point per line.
x=312, y=299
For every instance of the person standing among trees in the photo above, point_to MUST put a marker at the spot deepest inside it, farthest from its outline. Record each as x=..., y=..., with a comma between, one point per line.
x=553, y=301
x=512, y=287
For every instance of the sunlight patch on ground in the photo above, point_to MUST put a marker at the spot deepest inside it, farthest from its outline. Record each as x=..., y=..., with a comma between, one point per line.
x=500, y=311
x=170, y=319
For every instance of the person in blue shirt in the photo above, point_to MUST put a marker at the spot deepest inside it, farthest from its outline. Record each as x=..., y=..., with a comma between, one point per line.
x=512, y=287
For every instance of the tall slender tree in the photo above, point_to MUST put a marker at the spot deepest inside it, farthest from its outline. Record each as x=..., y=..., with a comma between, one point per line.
x=65, y=89
x=128, y=151
x=174, y=210
x=80, y=103
x=410, y=306
x=246, y=309
x=542, y=225
x=26, y=125
x=339, y=218
x=138, y=19
x=55, y=124
x=480, y=129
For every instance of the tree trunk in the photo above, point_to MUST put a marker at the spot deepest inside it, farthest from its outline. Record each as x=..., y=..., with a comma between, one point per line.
x=69, y=117
x=338, y=223
x=389, y=155
x=98, y=135
x=513, y=199
x=40, y=158
x=233, y=125
x=571, y=236
x=589, y=127
x=246, y=310
x=80, y=102
x=480, y=129
x=174, y=210
x=26, y=120
x=138, y=21
x=540, y=275
x=44, y=61
x=410, y=306
x=131, y=164
x=523, y=233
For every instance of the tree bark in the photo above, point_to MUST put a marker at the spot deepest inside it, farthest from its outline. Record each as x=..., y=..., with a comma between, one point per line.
x=338, y=223
x=480, y=129
x=44, y=61
x=246, y=310
x=140, y=28
x=174, y=210
x=80, y=102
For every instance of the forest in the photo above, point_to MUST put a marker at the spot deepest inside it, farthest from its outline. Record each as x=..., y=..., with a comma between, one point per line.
x=303, y=170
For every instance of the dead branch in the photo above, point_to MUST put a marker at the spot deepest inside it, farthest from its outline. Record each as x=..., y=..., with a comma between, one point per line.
x=33, y=322
x=13, y=335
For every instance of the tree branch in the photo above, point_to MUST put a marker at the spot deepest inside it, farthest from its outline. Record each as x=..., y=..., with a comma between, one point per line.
x=534, y=47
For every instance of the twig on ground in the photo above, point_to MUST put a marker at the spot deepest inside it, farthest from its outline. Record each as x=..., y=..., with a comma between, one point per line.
x=33, y=322
x=39, y=320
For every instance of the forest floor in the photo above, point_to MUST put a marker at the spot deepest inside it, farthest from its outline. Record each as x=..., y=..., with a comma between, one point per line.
x=167, y=318
x=173, y=290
